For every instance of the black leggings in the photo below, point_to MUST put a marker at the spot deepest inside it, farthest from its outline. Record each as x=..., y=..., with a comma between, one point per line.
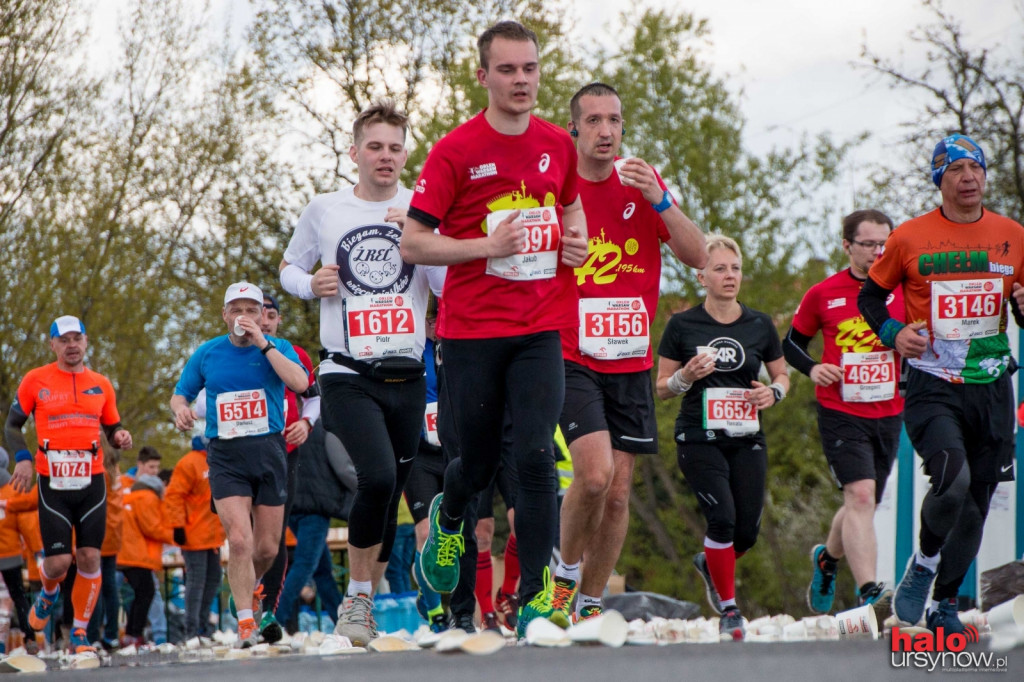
x=728, y=478
x=12, y=577
x=141, y=582
x=379, y=424
x=483, y=378
x=953, y=515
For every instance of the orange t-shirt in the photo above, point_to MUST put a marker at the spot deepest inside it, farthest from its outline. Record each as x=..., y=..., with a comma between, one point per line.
x=69, y=408
x=958, y=278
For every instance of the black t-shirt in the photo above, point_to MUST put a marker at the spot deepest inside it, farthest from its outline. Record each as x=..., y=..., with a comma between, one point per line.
x=742, y=346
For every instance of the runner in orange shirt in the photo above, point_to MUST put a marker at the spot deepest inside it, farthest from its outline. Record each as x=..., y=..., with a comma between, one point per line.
x=70, y=403
x=13, y=502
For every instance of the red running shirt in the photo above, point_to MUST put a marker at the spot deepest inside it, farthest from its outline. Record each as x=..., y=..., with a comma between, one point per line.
x=623, y=260
x=831, y=306
x=472, y=171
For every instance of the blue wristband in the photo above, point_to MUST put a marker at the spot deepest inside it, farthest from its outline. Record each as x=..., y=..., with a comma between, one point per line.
x=665, y=203
x=23, y=456
x=887, y=334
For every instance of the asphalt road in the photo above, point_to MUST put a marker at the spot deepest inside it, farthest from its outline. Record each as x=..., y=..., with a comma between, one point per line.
x=811, y=661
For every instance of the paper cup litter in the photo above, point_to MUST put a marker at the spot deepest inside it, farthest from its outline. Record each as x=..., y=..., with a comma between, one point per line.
x=1007, y=614
x=542, y=632
x=795, y=632
x=483, y=643
x=609, y=629
x=858, y=623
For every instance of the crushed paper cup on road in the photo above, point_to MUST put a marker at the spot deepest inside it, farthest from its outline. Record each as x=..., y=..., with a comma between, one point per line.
x=609, y=629
x=641, y=633
x=333, y=644
x=542, y=632
x=451, y=640
x=822, y=627
x=483, y=643
x=1007, y=615
x=858, y=623
x=795, y=632
x=391, y=643
x=22, y=663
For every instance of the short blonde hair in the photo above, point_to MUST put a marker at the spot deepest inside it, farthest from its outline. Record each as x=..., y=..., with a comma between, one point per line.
x=720, y=241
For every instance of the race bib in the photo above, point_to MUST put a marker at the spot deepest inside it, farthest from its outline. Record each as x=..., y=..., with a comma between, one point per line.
x=966, y=308
x=728, y=409
x=614, y=328
x=380, y=326
x=242, y=413
x=868, y=377
x=430, y=424
x=70, y=469
x=539, y=260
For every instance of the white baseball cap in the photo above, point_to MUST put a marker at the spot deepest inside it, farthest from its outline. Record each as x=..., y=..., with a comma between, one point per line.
x=243, y=290
x=67, y=324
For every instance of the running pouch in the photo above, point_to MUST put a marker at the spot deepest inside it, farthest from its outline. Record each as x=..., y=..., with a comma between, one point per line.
x=396, y=369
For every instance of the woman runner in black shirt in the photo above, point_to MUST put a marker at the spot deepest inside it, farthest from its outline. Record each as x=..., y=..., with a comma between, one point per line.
x=712, y=355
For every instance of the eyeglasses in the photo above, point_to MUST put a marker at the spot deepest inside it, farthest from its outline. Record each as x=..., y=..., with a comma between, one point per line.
x=869, y=245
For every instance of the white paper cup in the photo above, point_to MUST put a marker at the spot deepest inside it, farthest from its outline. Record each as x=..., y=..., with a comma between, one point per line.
x=1007, y=614
x=858, y=623
x=707, y=350
x=542, y=632
x=822, y=627
x=609, y=629
x=238, y=330
x=795, y=632
x=618, y=169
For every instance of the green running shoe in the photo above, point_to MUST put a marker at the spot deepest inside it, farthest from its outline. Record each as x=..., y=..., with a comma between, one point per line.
x=439, y=560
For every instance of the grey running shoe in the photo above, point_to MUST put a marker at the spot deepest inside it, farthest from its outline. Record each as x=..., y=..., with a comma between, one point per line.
x=731, y=623
x=355, y=620
x=700, y=562
x=912, y=593
x=463, y=621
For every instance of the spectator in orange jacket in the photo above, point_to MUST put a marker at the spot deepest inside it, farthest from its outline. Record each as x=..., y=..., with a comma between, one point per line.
x=145, y=533
x=108, y=607
x=199, y=533
x=11, y=504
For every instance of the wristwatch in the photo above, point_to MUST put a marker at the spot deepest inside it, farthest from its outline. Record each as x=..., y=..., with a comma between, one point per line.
x=778, y=393
x=664, y=204
x=267, y=348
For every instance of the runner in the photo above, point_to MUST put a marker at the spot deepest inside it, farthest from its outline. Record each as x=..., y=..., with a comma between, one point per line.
x=299, y=422
x=859, y=410
x=959, y=266
x=608, y=416
x=71, y=404
x=244, y=373
x=502, y=190
x=713, y=354
x=371, y=327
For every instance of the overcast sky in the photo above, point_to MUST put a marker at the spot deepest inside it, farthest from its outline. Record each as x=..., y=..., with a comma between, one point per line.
x=791, y=59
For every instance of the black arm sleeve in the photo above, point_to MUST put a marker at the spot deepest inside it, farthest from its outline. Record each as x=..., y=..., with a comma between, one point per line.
x=794, y=347
x=12, y=429
x=111, y=430
x=424, y=217
x=871, y=302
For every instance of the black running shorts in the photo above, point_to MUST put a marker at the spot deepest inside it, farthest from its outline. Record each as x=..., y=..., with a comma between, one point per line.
x=60, y=511
x=975, y=418
x=253, y=466
x=621, y=404
x=859, y=448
